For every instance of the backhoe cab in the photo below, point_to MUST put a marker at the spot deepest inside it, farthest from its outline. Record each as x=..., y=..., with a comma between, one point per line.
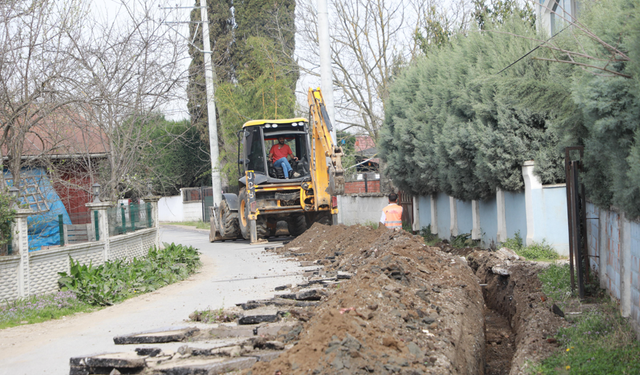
x=305, y=196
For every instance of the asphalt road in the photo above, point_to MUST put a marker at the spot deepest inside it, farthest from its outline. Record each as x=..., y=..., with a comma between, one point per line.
x=233, y=272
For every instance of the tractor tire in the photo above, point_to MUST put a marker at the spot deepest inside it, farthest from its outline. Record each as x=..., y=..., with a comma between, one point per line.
x=272, y=225
x=262, y=230
x=297, y=224
x=243, y=214
x=322, y=217
x=230, y=228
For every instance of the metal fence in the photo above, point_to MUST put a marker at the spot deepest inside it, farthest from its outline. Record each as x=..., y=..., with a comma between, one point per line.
x=129, y=218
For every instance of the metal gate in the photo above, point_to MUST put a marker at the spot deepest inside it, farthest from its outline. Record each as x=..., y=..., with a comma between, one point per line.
x=406, y=201
x=577, y=217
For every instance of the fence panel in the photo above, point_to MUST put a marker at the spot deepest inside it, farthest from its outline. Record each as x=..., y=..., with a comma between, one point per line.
x=130, y=218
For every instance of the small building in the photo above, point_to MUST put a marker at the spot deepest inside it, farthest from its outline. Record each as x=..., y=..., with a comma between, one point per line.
x=60, y=159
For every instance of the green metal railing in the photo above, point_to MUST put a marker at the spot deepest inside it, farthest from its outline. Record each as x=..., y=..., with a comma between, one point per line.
x=130, y=218
x=96, y=222
x=61, y=229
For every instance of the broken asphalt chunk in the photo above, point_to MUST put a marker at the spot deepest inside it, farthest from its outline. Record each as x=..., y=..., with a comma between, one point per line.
x=104, y=363
x=156, y=336
x=259, y=315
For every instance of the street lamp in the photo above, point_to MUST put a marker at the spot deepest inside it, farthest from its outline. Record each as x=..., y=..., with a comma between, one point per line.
x=95, y=188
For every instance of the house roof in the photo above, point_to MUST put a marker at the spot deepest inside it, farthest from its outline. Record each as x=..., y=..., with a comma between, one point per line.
x=363, y=143
x=64, y=134
x=366, y=148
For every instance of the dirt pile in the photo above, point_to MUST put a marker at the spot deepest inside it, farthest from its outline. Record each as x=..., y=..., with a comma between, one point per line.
x=408, y=308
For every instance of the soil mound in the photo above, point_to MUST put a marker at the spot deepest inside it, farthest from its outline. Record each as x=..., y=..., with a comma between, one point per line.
x=408, y=308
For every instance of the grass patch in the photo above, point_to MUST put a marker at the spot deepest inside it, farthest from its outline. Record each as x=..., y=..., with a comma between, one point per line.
x=371, y=224
x=118, y=280
x=535, y=251
x=598, y=341
x=40, y=308
x=556, y=282
x=197, y=224
x=213, y=316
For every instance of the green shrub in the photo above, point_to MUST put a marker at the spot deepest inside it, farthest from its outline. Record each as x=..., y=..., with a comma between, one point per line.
x=118, y=280
x=538, y=251
x=430, y=239
x=514, y=244
x=535, y=251
x=463, y=240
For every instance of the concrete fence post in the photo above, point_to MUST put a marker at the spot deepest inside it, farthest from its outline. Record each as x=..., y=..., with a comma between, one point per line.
x=502, y=216
x=476, y=232
x=602, y=248
x=415, y=226
x=103, y=224
x=625, y=266
x=154, y=212
x=20, y=243
x=531, y=182
x=434, y=215
x=453, y=210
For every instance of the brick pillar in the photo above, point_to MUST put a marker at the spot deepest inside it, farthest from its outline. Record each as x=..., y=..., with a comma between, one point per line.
x=20, y=243
x=103, y=224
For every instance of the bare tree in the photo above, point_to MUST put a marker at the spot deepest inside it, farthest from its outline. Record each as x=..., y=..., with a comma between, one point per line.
x=370, y=42
x=130, y=69
x=582, y=47
x=36, y=75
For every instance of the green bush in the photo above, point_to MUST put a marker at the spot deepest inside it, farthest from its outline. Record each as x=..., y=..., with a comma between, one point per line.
x=535, y=251
x=118, y=280
x=429, y=238
x=514, y=244
x=538, y=251
x=463, y=240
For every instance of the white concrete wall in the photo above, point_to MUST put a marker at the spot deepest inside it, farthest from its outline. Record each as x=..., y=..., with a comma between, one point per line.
x=170, y=209
x=614, y=248
x=192, y=211
x=173, y=209
x=357, y=209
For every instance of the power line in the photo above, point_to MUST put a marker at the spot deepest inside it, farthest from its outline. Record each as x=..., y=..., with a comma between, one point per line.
x=530, y=52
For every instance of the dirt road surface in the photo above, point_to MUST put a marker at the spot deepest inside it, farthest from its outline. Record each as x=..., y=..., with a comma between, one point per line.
x=232, y=272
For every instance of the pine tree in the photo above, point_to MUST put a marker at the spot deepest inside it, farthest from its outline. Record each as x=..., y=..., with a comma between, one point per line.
x=256, y=73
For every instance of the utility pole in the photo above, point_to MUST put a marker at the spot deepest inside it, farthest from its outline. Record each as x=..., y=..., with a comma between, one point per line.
x=209, y=77
x=326, y=75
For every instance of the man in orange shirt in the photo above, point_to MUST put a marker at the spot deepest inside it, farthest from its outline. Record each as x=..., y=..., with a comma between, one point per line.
x=279, y=153
x=392, y=213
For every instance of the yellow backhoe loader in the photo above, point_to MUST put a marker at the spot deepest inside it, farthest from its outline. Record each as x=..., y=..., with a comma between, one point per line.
x=308, y=194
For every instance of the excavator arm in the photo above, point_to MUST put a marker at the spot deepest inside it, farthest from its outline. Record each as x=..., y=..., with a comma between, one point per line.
x=329, y=182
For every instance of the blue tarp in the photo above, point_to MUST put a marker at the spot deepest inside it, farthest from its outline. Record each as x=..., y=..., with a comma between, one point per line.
x=36, y=191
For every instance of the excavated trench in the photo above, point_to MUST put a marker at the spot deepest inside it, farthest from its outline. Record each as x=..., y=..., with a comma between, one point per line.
x=519, y=322
x=384, y=303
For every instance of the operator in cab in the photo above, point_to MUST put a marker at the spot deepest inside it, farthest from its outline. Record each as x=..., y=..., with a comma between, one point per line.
x=392, y=213
x=279, y=153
